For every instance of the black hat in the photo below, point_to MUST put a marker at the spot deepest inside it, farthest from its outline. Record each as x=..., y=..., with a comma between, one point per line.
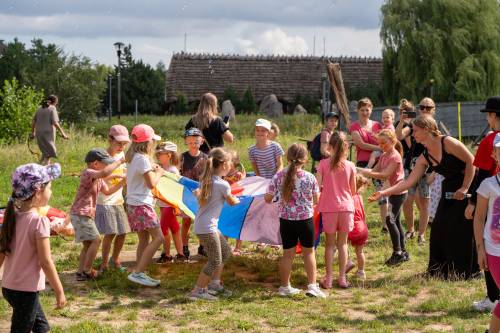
x=99, y=154
x=332, y=115
x=492, y=105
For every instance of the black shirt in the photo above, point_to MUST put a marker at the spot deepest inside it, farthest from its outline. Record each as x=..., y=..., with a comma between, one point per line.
x=412, y=151
x=192, y=166
x=213, y=134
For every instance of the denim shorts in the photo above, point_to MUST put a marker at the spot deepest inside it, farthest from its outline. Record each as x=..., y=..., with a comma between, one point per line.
x=422, y=186
x=85, y=228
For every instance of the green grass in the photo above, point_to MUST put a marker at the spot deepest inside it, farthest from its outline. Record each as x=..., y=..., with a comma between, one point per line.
x=392, y=299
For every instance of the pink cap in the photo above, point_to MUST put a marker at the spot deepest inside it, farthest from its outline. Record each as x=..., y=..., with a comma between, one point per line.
x=119, y=133
x=143, y=133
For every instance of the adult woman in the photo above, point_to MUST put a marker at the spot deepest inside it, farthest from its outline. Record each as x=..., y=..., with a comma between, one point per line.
x=363, y=133
x=452, y=251
x=207, y=120
x=44, y=126
x=420, y=193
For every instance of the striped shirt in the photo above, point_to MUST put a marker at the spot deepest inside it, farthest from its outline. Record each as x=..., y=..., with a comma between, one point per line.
x=265, y=159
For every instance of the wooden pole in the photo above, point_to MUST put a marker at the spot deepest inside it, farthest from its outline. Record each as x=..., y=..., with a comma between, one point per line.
x=337, y=84
x=459, y=124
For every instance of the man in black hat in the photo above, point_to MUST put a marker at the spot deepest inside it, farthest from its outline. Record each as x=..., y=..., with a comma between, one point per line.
x=487, y=167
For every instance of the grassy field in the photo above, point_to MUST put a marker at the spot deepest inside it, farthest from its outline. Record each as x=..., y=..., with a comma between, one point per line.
x=390, y=300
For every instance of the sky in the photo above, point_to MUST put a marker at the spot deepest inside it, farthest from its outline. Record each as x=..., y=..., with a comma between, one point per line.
x=158, y=28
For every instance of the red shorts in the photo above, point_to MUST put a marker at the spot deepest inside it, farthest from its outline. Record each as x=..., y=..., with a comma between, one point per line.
x=168, y=220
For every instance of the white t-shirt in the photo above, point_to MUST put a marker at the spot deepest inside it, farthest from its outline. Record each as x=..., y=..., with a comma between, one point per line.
x=207, y=219
x=490, y=189
x=116, y=198
x=138, y=193
x=174, y=170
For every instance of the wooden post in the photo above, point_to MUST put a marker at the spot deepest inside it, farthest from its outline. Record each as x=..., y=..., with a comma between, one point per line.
x=337, y=84
x=459, y=124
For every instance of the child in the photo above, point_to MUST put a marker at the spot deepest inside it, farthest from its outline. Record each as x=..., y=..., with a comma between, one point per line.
x=235, y=174
x=192, y=165
x=337, y=177
x=213, y=192
x=25, y=248
x=110, y=216
x=390, y=168
x=275, y=132
x=166, y=154
x=142, y=176
x=298, y=191
x=265, y=155
x=359, y=233
x=387, y=123
x=99, y=165
x=488, y=236
x=331, y=123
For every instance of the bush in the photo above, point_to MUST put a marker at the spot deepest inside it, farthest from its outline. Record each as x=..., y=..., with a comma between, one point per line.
x=231, y=94
x=18, y=106
x=181, y=105
x=248, y=104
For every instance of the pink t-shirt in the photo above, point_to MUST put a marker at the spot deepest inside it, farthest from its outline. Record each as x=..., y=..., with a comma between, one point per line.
x=86, y=197
x=389, y=127
x=363, y=155
x=336, y=193
x=387, y=159
x=22, y=269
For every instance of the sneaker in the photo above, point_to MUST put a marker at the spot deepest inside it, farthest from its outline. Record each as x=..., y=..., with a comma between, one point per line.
x=180, y=257
x=350, y=265
x=395, y=259
x=164, y=258
x=421, y=240
x=409, y=234
x=484, y=305
x=197, y=294
x=218, y=289
x=185, y=251
x=314, y=291
x=143, y=279
x=406, y=255
x=288, y=291
x=201, y=251
x=361, y=275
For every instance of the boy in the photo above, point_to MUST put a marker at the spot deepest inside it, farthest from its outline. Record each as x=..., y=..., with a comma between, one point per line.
x=265, y=155
x=331, y=123
x=99, y=165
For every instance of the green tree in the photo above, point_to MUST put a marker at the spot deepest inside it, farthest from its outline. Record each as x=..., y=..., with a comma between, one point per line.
x=18, y=105
x=248, y=104
x=181, y=104
x=231, y=94
x=452, y=44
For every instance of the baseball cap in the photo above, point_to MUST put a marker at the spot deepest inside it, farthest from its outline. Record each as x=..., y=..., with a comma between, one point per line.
x=193, y=131
x=119, y=133
x=166, y=146
x=29, y=178
x=143, y=133
x=332, y=115
x=99, y=154
x=496, y=141
x=263, y=123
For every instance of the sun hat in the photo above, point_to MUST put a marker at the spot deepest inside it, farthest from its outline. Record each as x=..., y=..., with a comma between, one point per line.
x=492, y=105
x=119, y=133
x=99, y=154
x=263, y=123
x=144, y=133
x=193, y=131
x=29, y=178
x=166, y=147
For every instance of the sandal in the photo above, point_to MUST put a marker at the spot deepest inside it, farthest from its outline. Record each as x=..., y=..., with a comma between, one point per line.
x=326, y=282
x=85, y=276
x=409, y=234
x=237, y=252
x=80, y=277
x=343, y=282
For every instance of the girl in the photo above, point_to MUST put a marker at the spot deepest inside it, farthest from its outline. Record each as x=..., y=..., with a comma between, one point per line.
x=390, y=168
x=359, y=233
x=337, y=177
x=265, y=155
x=25, y=248
x=166, y=154
x=110, y=216
x=298, y=191
x=142, y=176
x=488, y=236
x=213, y=192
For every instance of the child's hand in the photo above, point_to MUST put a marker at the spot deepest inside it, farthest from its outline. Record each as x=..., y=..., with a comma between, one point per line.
x=375, y=196
x=197, y=192
x=481, y=259
x=60, y=301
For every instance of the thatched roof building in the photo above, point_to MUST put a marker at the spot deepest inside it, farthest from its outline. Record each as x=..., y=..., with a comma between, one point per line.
x=284, y=76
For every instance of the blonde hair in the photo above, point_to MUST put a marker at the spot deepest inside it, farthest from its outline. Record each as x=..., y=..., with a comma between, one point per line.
x=216, y=158
x=429, y=100
x=207, y=110
x=339, y=148
x=391, y=136
x=235, y=157
x=145, y=148
x=275, y=128
x=389, y=111
x=427, y=123
x=406, y=105
x=361, y=182
x=174, y=156
x=364, y=102
x=296, y=156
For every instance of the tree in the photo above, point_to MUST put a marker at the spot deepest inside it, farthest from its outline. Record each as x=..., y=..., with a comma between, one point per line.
x=248, y=104
x=231, y=94
x=181, y=104
x=453, y=45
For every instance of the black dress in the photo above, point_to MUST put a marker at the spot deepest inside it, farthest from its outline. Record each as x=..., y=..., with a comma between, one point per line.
x=452, y=248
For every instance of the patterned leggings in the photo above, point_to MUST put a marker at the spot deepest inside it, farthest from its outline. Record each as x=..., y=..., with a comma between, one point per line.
x=218, y=251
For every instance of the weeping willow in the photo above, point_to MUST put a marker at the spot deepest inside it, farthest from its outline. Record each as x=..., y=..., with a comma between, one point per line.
x=451, y=47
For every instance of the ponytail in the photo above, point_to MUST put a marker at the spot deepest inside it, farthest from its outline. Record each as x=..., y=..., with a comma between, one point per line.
x=216, y=158
x=297, y=156
x=338, y=145
x=8, y=228
x=399, y=147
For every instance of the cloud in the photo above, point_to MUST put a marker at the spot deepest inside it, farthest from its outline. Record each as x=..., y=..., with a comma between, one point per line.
x=274, y=41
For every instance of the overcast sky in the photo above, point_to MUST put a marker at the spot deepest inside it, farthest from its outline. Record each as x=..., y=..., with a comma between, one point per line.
x=156, y=28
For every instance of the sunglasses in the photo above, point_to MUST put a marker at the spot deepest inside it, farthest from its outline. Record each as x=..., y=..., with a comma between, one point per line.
x=425, y=107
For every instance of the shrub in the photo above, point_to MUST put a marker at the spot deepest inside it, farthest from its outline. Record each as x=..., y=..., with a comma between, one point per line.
x=181, y=105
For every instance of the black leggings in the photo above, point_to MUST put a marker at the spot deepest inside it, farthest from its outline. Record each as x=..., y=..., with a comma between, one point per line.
x=27, y=314
x=393, y=221
x=491, y=287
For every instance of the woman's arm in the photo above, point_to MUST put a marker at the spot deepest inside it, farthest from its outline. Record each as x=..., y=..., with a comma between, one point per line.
x=401, y=131
x=458, y=149
x=45, y=259
x=228, y=136
x=358, y=141
x=60, y=129
x=479, y=220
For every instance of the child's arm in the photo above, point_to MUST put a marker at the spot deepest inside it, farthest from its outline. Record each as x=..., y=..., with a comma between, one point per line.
x=479, y=218
x=152, y=177
x=43, y=249
x=232, y=200
x=110, y=190
x=384, y=174
x=2, y=258
x=352, y=184
x=255, y=168
x=279, y=163
x=109, y=169
x=315, y=198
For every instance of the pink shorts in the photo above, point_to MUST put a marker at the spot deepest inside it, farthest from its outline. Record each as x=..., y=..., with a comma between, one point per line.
x=168, y=220
x=337, y=222
x=141, y=218
x=494, y=267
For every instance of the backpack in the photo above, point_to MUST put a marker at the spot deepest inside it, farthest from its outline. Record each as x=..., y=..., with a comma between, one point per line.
x=314, y=147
